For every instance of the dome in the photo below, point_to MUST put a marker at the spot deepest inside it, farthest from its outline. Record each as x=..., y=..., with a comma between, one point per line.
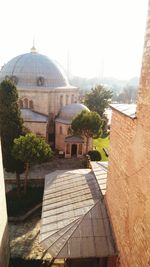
x=68, y=112
x=34, y=70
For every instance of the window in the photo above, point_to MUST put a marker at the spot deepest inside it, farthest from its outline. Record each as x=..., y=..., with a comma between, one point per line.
x=67, y=148
x=60, y=129
x=67, y=99
x=72, y=99
x=61, y=101
x=25, y=103
x=20, y=103
x=40, y=81
x=31, y=104
x=80, y=149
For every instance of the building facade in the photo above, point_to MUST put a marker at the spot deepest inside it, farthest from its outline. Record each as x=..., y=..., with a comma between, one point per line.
x=43, y=91
x=128, y=186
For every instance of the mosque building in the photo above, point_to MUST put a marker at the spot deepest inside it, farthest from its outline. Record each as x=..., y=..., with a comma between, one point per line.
x=47, y=101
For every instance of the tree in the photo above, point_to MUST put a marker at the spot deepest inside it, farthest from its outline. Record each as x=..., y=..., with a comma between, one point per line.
x=11, y=126
x=88, y=124
x=31, y=149
x=98, y=99
x=128, y=95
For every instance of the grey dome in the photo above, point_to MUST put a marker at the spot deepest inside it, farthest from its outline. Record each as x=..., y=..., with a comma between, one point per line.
x=68, y=112
x=34, y=70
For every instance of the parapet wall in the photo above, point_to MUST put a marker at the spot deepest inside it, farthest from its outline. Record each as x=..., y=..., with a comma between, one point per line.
x=4, y=246
x=127, y=192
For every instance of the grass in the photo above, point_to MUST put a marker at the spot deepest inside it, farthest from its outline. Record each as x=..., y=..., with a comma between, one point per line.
x=101, y=143
x=18, y=205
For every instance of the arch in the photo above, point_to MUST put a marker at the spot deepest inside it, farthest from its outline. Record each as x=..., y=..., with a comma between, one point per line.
x=40, y=81
x=25, y=103
x=61, y=101
x=80, y=149
x=74, y=150
x=14, y=79
x=67, y=148
x=60, y=130
x=72, y=99
x=67, y=99
x=20, y=103
x=30, y=104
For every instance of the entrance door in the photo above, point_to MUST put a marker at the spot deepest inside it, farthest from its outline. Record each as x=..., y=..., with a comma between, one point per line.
x=74, y=150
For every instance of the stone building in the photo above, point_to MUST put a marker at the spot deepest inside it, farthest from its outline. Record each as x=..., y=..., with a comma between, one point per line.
x=4, y=246
x=71, y=145
x=43, y=91
x=128, y=185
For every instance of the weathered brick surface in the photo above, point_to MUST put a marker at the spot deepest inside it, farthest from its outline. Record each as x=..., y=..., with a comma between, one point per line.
x=128, y=186
x=127, y=194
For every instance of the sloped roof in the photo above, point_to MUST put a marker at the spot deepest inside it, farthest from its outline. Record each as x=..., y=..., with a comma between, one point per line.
x=74, y=221
x=127, y=109
x=30, y=115
x=100, y=169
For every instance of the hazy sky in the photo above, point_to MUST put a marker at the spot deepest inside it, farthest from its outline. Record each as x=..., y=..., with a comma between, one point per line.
x=99, y=37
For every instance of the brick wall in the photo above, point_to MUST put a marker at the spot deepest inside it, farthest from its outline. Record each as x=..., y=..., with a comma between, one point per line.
x=128, y=187
x=4, y=247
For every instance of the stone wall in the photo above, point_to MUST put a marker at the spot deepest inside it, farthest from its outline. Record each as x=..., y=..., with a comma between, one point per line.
x=4, y=246
x=37, y=128
x=128, y=186
x=50, y=100
x=61, y=131
x=127, y=194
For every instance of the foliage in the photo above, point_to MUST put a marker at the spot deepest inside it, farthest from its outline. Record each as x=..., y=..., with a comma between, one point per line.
x=128, y=95
x=88, y=124
x=31, y=150
x=11, y=125
x=101, y=143
x=98, y=99
x=18, y=205
x=94, y=155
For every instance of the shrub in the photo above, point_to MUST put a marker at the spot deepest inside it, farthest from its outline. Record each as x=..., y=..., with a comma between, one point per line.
x=94, y=155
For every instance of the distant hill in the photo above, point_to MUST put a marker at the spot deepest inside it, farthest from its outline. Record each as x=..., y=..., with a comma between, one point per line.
x=112, y=83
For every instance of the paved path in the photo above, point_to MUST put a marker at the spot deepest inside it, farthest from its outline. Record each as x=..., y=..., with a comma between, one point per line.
x=24, y=239
x=39, y=171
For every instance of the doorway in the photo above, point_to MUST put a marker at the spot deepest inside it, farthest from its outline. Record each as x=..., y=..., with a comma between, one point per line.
x=74, y=150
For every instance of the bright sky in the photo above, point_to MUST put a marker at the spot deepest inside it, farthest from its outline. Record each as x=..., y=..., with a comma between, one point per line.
x=99, y=37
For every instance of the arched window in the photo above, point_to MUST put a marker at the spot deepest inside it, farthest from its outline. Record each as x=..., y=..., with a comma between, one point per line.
x=72, y=99
x=31, y=104
x=67, y=148
x=25, y=103
x=69, y=130
x=61, y=101
x=20, y=103
x=60, y=130
x=67, y=99
x=80, y=149
x=40, y=81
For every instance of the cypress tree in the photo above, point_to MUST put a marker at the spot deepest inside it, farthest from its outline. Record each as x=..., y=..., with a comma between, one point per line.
x=11, y=125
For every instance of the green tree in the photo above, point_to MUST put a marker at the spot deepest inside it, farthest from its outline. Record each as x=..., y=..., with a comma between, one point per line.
x=88, y=124
x=98, y=99
x=128, y=95
x=31, y=149
x=11, y=126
